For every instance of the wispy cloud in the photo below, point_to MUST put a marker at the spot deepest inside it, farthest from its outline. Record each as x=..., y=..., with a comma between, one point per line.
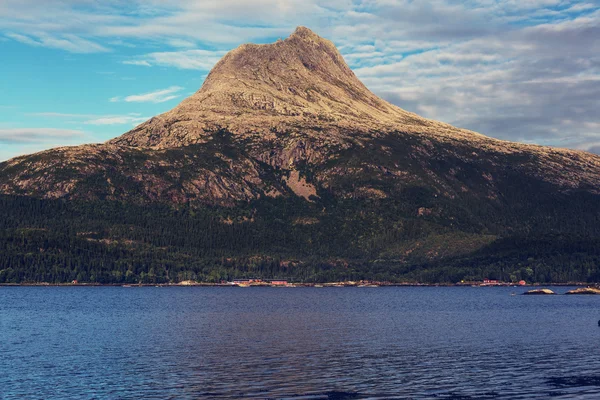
x=187, y=59
x=143, y=63
x=93, y=119
x=68, y=42
x=60, y=115
x=181, y=43
x=36, y=135
x=23, y=39
x=158, y=96
x=116, y=120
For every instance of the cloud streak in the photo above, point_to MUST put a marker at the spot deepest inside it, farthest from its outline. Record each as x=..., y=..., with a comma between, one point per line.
x=142, y=63
x=70, y=43
x=189, y=59
x=157, y=96
x=116, y=120
x=36, y=135
x=93, y=119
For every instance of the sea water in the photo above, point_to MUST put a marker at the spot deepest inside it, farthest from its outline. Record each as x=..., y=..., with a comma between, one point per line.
x=297, y=343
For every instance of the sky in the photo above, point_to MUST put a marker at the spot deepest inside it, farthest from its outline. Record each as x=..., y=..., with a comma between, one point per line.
x=85, y=71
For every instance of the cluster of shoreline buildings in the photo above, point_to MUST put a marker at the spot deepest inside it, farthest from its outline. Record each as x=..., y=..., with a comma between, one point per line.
x=362, y=283
x=491, y=282
x=285, y=283
x=256, y=282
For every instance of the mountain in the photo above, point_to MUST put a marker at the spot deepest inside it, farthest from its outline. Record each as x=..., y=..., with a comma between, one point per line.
x=301, y=83
x=285, y=164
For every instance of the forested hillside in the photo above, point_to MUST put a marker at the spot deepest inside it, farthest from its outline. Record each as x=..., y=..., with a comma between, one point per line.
x=110, y=242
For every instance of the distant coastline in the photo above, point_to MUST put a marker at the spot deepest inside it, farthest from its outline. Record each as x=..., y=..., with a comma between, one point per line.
x=293, y=285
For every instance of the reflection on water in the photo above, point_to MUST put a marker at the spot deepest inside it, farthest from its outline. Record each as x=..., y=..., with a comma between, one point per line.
x=301, y=343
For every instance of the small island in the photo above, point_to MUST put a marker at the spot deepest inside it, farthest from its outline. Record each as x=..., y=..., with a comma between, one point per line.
x=586, y=290
x=539, y=292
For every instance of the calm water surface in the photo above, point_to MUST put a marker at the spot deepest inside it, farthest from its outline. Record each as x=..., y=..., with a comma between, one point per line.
x=297, y=343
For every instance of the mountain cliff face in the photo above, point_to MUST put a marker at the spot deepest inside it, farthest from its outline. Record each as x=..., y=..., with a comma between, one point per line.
x=290, y=122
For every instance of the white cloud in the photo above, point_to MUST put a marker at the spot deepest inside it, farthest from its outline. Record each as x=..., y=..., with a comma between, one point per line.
x=23, y=39
x=34, y=135
x=138, y=62
x=68, y=42
x=121, y=43
x=158, y=96
x=187, y=59
x=94, y=119
x=60, y=115
x=116, y=120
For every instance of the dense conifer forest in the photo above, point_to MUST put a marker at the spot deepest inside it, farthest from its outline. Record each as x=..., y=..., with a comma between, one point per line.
x=57, y=241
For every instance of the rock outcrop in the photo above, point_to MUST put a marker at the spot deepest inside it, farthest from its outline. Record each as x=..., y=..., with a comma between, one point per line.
x=587, y=290
x=539, y=292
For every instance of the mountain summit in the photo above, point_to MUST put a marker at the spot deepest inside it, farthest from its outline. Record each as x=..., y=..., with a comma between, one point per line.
x=283, y=154
x=301, y=82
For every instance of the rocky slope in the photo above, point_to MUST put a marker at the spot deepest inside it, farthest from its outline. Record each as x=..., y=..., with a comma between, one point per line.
x=290, y=121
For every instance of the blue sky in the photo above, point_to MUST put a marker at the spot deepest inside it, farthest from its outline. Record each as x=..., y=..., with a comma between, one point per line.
x=80, y=71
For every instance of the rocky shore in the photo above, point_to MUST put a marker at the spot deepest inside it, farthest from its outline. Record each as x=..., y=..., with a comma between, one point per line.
x=539, y=292
x=586, y=290
x=581, y=290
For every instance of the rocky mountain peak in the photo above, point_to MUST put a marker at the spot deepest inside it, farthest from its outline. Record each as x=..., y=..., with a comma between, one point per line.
x=288, y=67
x=303, y=74
x=299, y=82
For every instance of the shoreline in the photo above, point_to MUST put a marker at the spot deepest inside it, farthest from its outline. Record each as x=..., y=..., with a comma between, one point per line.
x=292, y=285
